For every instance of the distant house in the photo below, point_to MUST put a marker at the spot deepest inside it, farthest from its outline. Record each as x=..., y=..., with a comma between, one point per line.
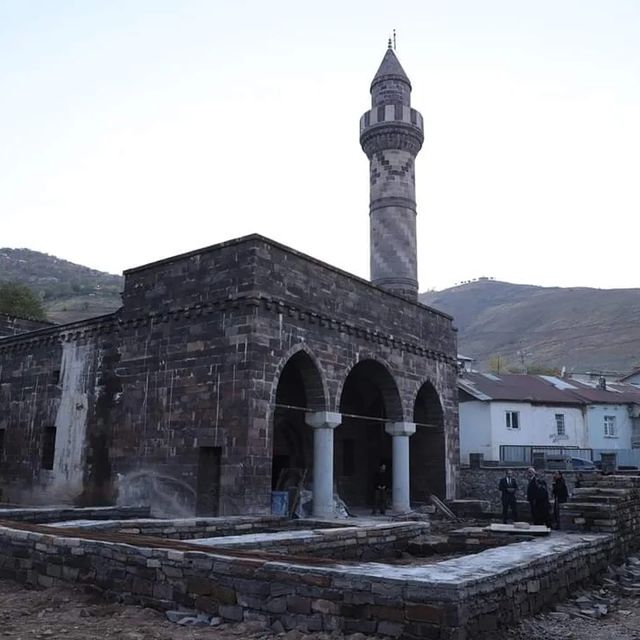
x=465, y=363
x=515, y=410
x=632, y=378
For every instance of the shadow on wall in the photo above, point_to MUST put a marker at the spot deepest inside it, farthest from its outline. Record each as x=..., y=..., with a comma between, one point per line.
x=165, y=495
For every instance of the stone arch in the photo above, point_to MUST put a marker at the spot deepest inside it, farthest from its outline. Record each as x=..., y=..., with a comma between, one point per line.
x=299, y=388
x=311, y=372
x=368, y=400
x=427, y=458
x=379, y=372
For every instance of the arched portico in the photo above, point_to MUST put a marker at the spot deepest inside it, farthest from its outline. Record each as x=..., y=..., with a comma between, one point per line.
x=300, y=390
x=369, y=400
x=428, y=451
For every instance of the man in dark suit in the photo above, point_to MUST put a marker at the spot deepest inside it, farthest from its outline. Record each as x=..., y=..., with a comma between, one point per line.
x=508, y=488
x=380, y=486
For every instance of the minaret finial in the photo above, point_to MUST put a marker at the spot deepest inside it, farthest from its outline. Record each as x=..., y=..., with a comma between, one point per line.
x=389, y=44
x=394, y=39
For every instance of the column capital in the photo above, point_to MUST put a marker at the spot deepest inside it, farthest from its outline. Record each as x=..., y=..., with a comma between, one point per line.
x=323, y=419
x=400, y=428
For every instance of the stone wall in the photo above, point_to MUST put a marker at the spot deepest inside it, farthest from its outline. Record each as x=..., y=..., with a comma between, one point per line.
x=273, y=534
x=455, y=599
x=343, y=543
x=482, y=483
x=194, y=528
x=62, y=514
x=12, y=325
x=608, y=504
x=53, y=381
x=189, y=367
x=209, y=334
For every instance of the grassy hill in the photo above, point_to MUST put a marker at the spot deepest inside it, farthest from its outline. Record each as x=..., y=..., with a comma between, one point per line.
x=69, y=291
x=577, y=328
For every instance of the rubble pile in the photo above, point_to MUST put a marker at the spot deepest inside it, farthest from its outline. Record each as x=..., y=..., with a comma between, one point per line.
x=614, y=597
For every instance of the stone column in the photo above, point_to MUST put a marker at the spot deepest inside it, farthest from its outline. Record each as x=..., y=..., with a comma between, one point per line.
x=323, y=423
x=400, y=431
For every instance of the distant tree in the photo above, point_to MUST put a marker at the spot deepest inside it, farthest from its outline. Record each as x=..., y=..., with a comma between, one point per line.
x=537, y=369
x=533, y=369
x=18, y=300
x=497, y=364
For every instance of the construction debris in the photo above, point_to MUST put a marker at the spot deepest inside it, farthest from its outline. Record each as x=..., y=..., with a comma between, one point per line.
x=576, y=617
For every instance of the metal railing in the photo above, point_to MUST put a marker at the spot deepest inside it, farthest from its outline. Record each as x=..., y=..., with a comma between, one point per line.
x=523, y=454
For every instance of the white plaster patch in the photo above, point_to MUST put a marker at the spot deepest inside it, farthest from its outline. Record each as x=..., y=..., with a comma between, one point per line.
x=71, y=419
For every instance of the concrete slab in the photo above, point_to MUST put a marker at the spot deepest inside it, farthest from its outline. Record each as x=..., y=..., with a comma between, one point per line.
x=520, y=528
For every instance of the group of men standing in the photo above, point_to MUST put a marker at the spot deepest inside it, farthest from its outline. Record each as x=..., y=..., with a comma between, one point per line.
x=537, y=497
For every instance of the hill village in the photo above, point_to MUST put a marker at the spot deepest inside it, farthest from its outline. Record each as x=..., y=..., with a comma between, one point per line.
x=258, y=438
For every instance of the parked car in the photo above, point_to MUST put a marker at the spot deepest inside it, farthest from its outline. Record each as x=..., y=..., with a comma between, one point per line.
x=582, y=464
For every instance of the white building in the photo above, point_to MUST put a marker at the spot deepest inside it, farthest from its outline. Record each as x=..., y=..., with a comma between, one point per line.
x=513, y=410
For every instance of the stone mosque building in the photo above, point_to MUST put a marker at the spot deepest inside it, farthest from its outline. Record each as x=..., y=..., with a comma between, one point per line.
x=229, y=364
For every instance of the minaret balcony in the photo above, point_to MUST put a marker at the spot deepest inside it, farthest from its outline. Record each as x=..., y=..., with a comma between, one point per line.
x=391, y=114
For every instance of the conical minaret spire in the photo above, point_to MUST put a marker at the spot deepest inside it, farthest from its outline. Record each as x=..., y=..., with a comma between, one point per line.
x=391, y=134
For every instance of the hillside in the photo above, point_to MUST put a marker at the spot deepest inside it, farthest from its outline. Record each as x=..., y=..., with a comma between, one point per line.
x=69, y=291
x=578, y=328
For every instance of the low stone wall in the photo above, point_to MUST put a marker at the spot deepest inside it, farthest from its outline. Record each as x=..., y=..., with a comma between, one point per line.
x=465, y=540
x=193, y=528
x=482, y=483
x=59, y=514
x=464, y=598
x=455, y=599
x=273, y=534
x=608, y=504
x=346, y=543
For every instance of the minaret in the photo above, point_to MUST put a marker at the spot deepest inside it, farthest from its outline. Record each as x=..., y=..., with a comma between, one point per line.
x=391, y=134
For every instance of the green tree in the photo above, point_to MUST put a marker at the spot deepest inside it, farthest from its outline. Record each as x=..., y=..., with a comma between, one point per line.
x=18, y=300
x=497, y=365
x=540, y=369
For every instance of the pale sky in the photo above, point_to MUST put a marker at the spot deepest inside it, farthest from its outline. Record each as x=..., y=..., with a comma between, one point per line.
x=133, y=130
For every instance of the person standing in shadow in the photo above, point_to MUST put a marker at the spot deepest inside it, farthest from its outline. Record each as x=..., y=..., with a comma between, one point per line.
x=538, y=497
x=560, y=494
x=380, y=489
x=508, y=488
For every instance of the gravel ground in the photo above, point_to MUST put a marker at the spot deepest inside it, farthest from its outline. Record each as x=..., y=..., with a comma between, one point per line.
x=623, y=624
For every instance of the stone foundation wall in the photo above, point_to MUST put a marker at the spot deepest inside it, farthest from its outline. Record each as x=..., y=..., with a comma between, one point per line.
x=608, y=504
x=346, y=543
x=194, y=528
x=451, y=600
x=465, y=540
x=60, y=514
x=319, y=539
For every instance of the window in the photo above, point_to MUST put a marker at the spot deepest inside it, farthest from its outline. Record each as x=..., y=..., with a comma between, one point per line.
x=512, y=418
x=610, y=426
x=48, y=447
x=560, y=430
x=55, y=376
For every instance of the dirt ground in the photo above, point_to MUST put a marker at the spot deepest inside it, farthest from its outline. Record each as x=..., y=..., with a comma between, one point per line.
x=67, y=613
